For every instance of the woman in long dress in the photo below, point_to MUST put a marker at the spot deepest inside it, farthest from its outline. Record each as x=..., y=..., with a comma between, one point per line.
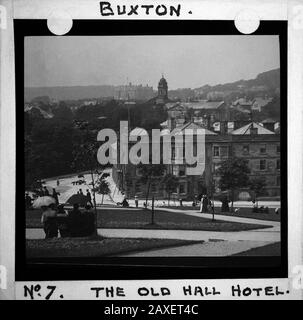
x=204, y=204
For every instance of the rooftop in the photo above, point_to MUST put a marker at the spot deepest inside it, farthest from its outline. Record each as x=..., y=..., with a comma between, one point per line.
x=246, y=130
x=262, y=102
x=194, y=126
x=198, y=105
x=269, y=120
x=203, y=105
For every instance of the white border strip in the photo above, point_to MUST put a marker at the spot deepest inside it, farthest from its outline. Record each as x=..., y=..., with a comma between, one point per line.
x=209, y=10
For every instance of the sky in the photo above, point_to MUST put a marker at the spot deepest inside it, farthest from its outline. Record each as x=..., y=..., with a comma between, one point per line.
x=185, y=61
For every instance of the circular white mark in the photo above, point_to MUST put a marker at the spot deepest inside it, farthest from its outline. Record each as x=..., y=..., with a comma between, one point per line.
x=59, y=22
x=247, y=21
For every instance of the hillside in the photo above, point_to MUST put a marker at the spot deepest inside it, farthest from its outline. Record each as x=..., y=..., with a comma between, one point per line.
x=69, y=93
x=267, y=82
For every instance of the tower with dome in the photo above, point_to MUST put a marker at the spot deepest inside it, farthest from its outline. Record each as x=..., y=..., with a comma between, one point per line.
x=162, y=97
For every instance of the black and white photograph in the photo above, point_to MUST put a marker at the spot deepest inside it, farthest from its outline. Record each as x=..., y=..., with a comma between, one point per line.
x=158, y=150
x=151, y=153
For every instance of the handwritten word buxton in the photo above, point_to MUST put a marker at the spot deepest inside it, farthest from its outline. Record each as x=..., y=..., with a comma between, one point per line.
x=106, y=9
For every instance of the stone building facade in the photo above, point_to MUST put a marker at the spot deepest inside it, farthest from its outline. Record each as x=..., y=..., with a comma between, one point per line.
x=260, y=148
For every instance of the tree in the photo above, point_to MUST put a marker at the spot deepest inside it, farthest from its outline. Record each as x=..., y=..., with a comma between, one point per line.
x=62, y=113
x=170, y=183
x=233, y=174
x=257, y=185
x=102, y=186
x=150, y=173
x=85, y=158
x=32, y=171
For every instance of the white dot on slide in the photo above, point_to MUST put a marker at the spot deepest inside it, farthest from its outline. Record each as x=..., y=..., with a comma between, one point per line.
x=247, y=21
x=59, y=22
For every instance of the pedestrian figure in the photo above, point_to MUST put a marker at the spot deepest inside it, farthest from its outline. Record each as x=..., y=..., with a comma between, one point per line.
x=255, y=206
x=125, y=203
x=136, y=201
x=181, y=203
x=55, y=196
x=45, y=191
x=225, y=206
x=210, y=206
x=58, y=182
x=204, y=204
x=89, y=197
x=201, y=203
x=49, y=222
x=80, y=192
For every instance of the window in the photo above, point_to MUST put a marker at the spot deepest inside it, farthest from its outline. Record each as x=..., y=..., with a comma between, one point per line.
x=216, y=151
x=278, y=149
x=182, y=171
x=182, y=188
x=278, y=164
x=175, y=190
x=246, y=149
x=173, y=152
x=175, y=170
x=262, y=164
x=263, y=149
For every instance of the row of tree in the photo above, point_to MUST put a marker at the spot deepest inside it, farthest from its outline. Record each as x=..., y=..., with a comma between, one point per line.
x=233, y=173
x=50, y=143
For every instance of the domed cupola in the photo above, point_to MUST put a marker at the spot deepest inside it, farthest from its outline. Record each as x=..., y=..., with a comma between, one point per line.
x=162, y=83
x=162, y=88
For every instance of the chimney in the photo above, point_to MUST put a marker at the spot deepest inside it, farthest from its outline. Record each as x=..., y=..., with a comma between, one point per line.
x=223, y=127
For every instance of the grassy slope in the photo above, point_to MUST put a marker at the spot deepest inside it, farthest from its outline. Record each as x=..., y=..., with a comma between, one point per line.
x=132, y=219
x=273, y=249
x=243, y=212
x=86, y=247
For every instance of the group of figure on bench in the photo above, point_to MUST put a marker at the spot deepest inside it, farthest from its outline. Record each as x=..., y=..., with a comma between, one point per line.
x=74, y=223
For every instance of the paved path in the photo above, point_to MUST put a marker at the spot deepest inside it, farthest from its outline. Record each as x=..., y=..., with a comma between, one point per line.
x=268, y=234
x=222, y=217
x=67, y=189
x=216, y=243
x=259, y=235
x=206, y=249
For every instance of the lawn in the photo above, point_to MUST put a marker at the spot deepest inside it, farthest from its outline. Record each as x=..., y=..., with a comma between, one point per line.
x=141, y=219
x=87, y=247
x=243, y=212
x=273, y=249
